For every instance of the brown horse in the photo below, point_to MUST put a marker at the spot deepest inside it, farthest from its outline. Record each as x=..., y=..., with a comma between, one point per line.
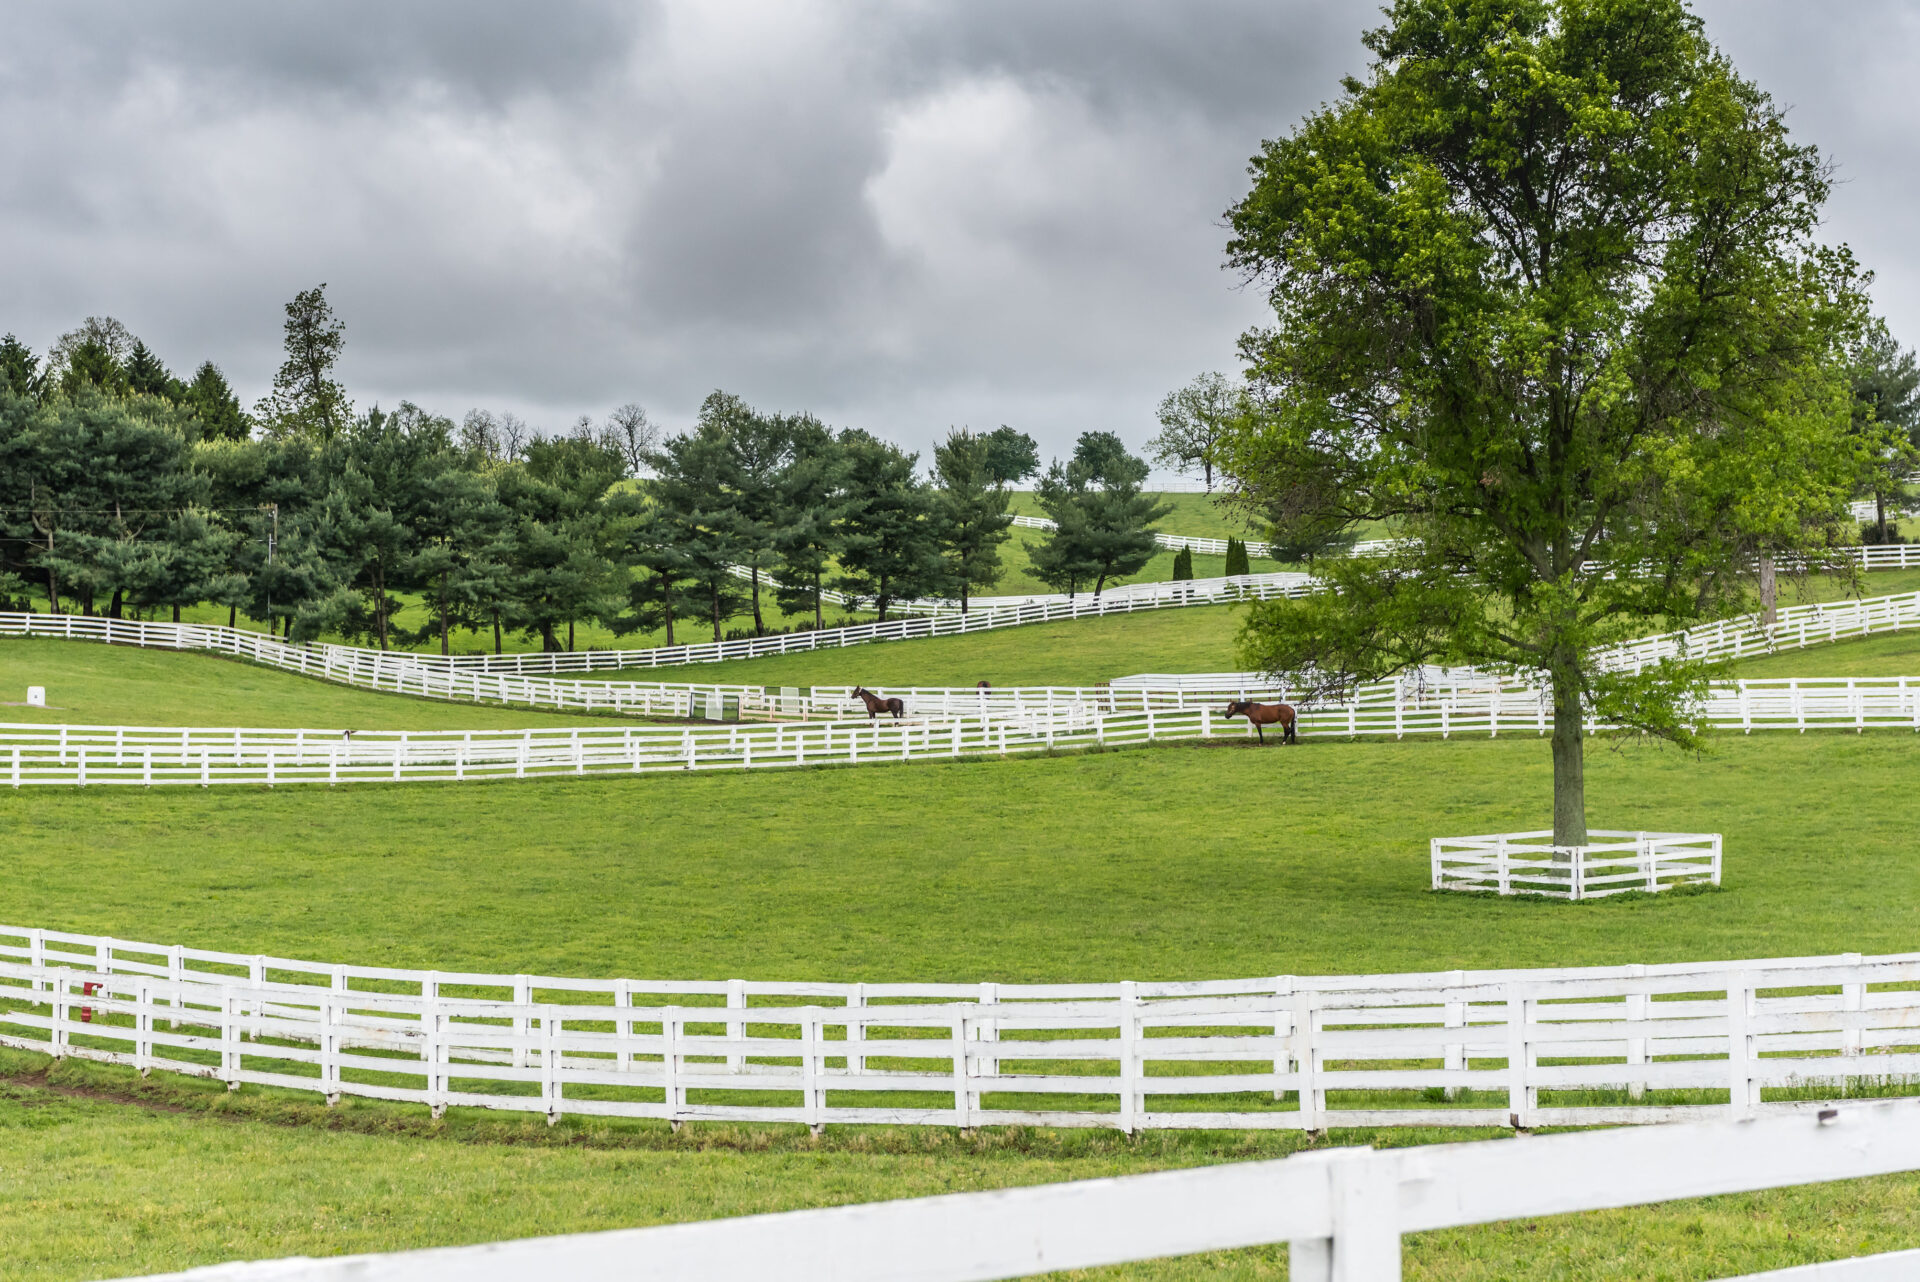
x=1265, y=714
x=876, y=705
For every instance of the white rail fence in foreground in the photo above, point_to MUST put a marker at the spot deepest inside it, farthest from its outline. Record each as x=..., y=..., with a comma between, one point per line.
x=1342, y=1211
x=1523, y=1048
x=1611, y=863
x=157, y=755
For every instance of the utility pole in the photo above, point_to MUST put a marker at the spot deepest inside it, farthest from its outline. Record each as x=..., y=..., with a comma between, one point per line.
x=273, y=537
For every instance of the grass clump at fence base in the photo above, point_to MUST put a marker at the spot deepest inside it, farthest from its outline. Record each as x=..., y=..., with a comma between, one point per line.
x=106, y=1175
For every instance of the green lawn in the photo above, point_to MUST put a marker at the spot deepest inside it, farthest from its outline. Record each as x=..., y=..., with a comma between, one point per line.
x=1182, y=862
x=96, y=1186
x=1178, y=862
x=1890, y=654
x=92, y=684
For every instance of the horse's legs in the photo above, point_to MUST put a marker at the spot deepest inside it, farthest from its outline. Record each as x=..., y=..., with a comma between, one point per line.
x=1257, y=730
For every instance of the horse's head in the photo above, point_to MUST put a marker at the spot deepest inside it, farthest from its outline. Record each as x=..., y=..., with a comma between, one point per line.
x=859, y=692
x=1236, y=708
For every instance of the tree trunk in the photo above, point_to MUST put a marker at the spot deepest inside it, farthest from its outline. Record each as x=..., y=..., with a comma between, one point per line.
x=1769, y=593
x=549, y=643
x=114, y=606
x=1880, y=515
x=443, y=614
x=233, y=616
x=569, y=636
x=819, y=607
x=666, y=603
x=176, y=612
x=1569, y=755
x=759, y=624
x=1206, y=467
x=496, y=630
x=714, y=597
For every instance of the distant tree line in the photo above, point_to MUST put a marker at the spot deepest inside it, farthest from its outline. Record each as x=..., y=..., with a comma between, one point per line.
x=126, y=490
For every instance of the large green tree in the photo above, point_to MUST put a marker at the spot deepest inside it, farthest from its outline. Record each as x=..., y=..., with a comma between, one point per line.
x=1102, y=521
x=970, y=512
x=1547, y=293
x=306, y=399
x=1886, y=418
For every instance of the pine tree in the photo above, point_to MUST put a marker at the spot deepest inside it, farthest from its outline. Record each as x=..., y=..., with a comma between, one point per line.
x=306, y=401
x=970, y=511
x=19, y=367
x=210, y=400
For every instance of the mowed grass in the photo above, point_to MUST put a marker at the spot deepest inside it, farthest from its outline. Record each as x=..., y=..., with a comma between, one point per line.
x=1178, y=862
x=1168, y=863
x=1891, y=654
x=92, y=684
x=96, y=1186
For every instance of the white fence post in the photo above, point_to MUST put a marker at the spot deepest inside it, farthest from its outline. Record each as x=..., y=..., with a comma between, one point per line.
x=1364, y=1188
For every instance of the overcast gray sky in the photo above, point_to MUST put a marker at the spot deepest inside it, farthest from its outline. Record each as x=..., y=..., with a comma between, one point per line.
x=900, y=216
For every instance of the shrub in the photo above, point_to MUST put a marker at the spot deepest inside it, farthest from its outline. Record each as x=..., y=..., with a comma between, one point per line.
x=1237, y=558
x=1183, y=564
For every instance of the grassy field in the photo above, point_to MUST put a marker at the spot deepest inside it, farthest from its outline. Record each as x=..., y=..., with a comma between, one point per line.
x=121, y=685
x=1179, y=862
x=99, y=1186
x=1893, y=654
x=91, y=684
x=1183, y=862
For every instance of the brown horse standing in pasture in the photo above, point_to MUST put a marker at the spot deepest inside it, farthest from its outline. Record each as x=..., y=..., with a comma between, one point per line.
x=1265, y=714
x=876, y=705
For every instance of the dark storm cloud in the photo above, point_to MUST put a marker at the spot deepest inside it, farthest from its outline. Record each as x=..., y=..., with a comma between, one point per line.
x=898, y=215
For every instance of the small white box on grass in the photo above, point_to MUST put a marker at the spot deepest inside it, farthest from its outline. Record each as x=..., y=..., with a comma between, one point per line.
x=36, y=696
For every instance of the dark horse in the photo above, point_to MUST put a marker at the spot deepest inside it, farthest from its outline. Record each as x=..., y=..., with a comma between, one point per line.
x=1265, y=714
x=876, y=705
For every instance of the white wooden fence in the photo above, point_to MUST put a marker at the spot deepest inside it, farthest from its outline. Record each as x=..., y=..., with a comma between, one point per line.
x=1526, y=1048
x=1611, y=863
x=269, y=650
x=156, y=755
x=1797, y=627
x=1342, y=1211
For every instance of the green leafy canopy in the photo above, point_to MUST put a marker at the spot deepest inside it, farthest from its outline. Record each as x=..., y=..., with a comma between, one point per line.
x=1547, y=298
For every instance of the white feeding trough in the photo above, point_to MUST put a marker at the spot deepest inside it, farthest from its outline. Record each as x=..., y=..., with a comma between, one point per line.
x=1611, y=863
x=36, y=696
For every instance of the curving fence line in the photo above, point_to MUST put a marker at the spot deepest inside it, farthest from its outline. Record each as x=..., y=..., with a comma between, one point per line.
x=432, y=677
x=271, y=650
x=159, y=755
x=1523, y=1048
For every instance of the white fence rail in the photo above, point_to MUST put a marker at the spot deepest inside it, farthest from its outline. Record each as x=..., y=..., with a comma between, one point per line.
x=1611, y=863
x=158, y=755
x=1797, y=627
x=269, y=650
x=1342, y=1212
x=1526, y=1048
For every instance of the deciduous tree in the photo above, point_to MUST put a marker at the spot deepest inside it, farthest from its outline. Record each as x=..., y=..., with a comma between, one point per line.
x=1547, y=292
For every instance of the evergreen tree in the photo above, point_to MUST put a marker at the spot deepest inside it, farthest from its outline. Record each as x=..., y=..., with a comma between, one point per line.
x=890, y=549
x=147, y=375
x=1102, y=520
x=1237, y=562
x=306, y=401
x=970, y=513
x=1183, y=564
x=1011, y=456
x=212, y=402
x=811, y=502
x=19, y=368
x=699, y=515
